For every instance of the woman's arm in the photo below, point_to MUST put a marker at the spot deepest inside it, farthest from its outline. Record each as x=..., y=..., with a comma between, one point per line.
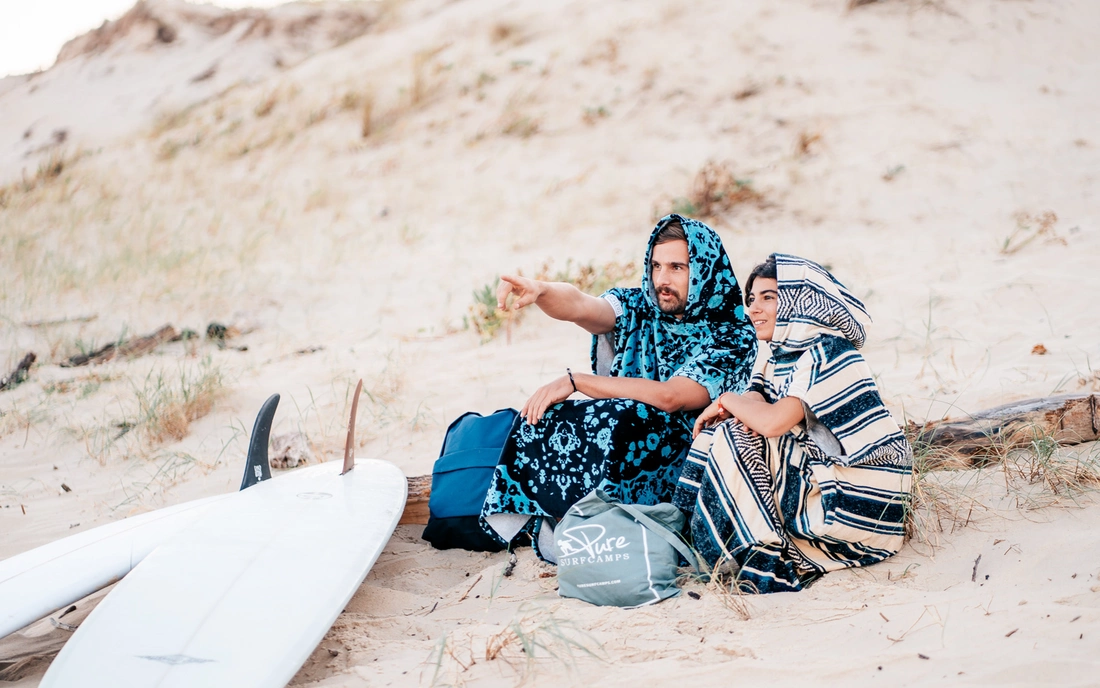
x=770, y=420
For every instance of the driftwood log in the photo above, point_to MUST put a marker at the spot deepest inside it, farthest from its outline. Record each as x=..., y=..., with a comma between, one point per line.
x=979, y=439
x=137, y=346
x=20, y=373
x=416, y=505
x=985, y=436
x=30, y=649
x=60, y=321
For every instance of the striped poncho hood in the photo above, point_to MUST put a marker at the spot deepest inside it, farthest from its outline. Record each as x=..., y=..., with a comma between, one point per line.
x=812, y=304
x=819, y=328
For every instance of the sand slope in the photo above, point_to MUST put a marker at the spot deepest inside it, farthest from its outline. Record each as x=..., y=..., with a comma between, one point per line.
x=340, y=209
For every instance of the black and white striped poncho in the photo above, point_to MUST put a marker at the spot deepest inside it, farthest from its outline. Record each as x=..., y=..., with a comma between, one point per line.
x=831, y=493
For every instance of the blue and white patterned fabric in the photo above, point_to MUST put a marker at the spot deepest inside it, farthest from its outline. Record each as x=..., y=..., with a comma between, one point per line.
x=713, y=343
x=630, y=450
x=831, y=493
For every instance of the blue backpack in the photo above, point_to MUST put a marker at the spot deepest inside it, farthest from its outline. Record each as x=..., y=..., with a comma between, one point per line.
x=461, y=478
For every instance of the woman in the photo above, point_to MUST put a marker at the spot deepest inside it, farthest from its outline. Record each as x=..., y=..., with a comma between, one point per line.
x=806, y=472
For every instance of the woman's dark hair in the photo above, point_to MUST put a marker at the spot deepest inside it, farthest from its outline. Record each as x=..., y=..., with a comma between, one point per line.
x=765, y=270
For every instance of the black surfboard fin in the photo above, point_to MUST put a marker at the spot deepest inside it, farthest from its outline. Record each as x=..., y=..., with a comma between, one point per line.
x=349, y=446
x=257, y=468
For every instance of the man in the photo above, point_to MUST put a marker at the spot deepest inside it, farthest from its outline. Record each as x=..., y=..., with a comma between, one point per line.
x=660, y=352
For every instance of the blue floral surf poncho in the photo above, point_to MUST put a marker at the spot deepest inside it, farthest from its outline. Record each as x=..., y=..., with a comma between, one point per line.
x=629, y=449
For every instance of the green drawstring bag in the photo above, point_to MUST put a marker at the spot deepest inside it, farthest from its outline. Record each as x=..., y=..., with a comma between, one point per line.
x=621, y=555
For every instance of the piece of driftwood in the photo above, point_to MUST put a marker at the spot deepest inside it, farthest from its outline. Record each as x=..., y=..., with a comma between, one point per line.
x=19, y=375
x=131, y=348
x=30, y=650
x=981, y=438
x=987, y=435
x=60, y=321
x=416, y=504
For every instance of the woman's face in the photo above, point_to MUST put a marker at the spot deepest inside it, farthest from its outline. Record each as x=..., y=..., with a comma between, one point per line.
x=763, y=302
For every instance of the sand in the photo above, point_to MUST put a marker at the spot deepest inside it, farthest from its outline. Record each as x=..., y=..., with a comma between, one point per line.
x=915, y=147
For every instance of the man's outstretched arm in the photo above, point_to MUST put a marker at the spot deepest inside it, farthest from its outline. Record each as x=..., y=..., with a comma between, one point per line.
x=677, y=394
x=560, y=301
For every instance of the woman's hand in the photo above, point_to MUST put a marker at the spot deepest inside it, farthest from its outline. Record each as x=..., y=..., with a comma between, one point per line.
x=711, y=415
x=545, y=397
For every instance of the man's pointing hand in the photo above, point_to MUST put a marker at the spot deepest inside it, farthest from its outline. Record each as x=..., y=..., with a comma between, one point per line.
x=524, y=290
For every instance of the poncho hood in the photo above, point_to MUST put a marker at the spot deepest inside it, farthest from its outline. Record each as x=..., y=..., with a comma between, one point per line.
x=813, y=303
x=713, y=292
x=713, y=343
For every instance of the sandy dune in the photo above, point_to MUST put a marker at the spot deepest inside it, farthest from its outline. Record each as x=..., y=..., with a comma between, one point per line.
x=337, y=199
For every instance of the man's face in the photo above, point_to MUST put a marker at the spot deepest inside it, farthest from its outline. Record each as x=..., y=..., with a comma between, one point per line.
x=670, y=271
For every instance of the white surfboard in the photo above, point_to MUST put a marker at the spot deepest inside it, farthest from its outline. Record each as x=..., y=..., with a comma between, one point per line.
x=36, y=583
x=42, y=580
x=242, y=596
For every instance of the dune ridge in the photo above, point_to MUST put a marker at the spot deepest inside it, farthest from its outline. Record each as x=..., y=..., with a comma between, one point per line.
x=332, y=184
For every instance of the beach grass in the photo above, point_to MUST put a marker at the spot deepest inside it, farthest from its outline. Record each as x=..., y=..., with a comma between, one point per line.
x=1032, y=469
x=536, y=634
x=717, y=190
x=169, y=403
x=488, y=321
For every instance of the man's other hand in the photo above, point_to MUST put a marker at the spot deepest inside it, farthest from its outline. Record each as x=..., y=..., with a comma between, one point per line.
x=524, y=290
x=545, y=397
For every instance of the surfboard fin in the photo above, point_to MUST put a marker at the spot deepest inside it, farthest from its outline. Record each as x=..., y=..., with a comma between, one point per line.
x=256, y=467
x=349, y=447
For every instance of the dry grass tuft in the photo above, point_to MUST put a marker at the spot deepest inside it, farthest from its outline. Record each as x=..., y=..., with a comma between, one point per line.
x=721, y=580
x=503, y=31
x=1035, y=472
x=1029, y=228
x=591, y=278
x=606, y=50
x=520, y=126
x=49, y=170
x=366, y=114
x=807, y=143
x=266, y=105
x=17, y=419
x=422, y=86
x=167, y=407
x=534, y=637
x=1043, y=462
x=488, y=320
x=167, y=121
x=515, y=119
x=594, y=114
x=748, y=91
x=537, y=635
x=484, y=316
x=937, y=503
x=733, y=592
x=717, y=190
x=162, y=409
x=170, y=148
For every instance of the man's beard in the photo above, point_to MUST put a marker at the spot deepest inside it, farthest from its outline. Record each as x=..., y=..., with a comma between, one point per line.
x=675, y=306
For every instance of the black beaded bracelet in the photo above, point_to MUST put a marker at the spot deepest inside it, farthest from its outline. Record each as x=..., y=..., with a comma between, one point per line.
x=571, y=380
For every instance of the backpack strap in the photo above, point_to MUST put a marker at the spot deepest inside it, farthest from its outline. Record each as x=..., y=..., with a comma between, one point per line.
x=664, y=532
